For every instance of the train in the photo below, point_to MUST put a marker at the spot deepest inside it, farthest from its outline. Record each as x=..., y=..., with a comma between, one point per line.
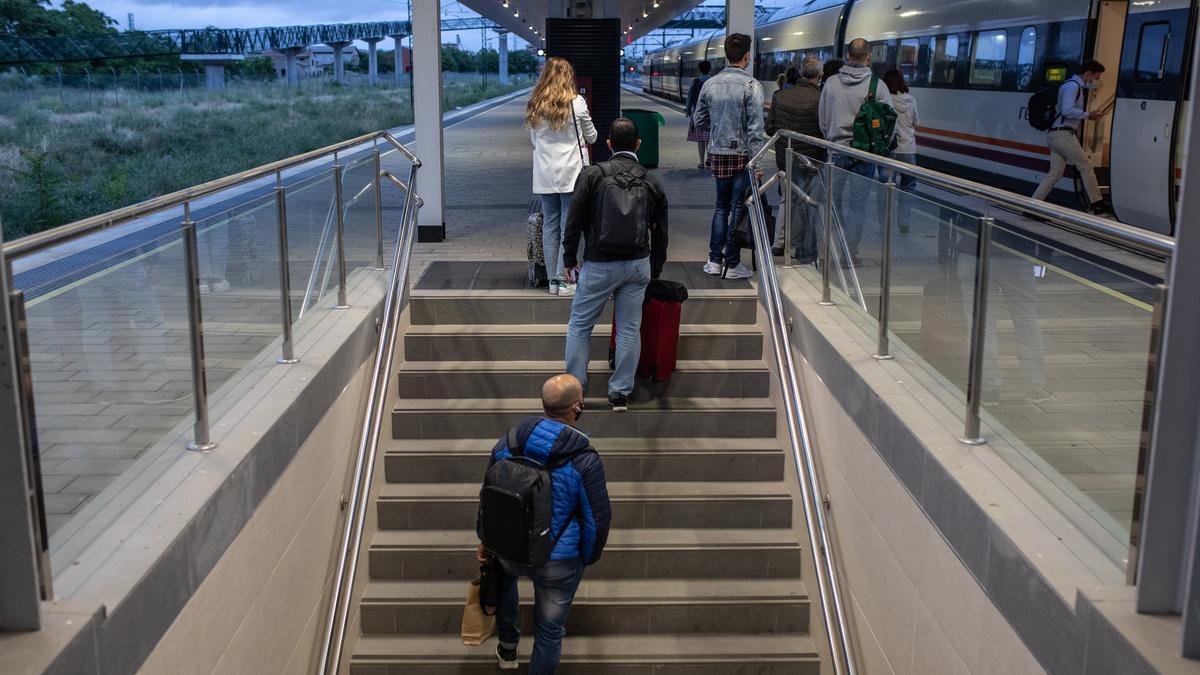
x=972, y=66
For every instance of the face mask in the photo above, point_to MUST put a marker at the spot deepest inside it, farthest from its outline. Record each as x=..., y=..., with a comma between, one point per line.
x=1094, y=84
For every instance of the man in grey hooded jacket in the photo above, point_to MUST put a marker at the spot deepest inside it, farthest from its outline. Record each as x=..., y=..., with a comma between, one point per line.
x=841, y=97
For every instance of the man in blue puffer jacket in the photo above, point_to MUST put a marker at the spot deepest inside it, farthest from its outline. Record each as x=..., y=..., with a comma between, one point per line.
x=581, y=512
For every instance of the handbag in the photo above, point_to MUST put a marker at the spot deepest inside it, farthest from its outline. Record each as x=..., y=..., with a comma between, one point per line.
x=578, y=136
x=477, y=626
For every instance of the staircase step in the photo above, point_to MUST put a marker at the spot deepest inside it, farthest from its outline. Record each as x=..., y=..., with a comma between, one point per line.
x=677, y=418
x=468, y=342
x=597, y=655
x=603, y=607
x=738, y=307
x=524, y=379
x=630, y=554
x=441, y=506
x=625, y=459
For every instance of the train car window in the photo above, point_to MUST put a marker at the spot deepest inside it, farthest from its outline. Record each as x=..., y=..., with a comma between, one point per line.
x=906, y=58
x=943, y=65
x=987, y=58
x=879, y=58
x=1151, y=63
x=1026, y=52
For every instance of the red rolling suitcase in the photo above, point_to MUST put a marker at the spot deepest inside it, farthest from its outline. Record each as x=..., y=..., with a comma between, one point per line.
x=661, y=312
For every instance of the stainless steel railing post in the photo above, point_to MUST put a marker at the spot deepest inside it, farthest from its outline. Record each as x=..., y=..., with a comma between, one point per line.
x=787, y=206
x=827, y=236
x=202, y=441
x=378, y=209
x=342, y=302
x=971, y=434
x=885, y=273
x=285, y=276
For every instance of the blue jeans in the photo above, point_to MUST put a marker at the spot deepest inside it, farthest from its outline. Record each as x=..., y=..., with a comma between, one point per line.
x=626, y=281
x=907, y=184
x=554, y=586
x=806, y=218
x=857, y=196
x=555, y=207
x=730, y=193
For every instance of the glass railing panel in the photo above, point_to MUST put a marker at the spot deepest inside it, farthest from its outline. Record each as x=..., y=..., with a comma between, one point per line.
x=858, y=203
x=238, y=255
x=107, y=328
x=1064, y=372
x=311, y=242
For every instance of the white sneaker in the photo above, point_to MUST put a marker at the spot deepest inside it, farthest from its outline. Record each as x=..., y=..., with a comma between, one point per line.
x=552, y=287
x=218, y=286
x=566, y=289
x=739, y=272
x=712, y=268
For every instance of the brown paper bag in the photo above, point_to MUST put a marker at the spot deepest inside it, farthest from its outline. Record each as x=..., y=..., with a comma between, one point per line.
x=476, y=626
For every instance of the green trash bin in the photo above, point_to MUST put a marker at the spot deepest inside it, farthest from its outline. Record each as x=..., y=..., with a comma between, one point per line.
x=647, y=122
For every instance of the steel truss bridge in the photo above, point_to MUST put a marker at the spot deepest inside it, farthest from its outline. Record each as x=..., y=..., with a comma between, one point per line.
x=709, y=17
x=133, y=44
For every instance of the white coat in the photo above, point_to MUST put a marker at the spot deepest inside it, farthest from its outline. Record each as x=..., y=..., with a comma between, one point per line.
x=556, y=152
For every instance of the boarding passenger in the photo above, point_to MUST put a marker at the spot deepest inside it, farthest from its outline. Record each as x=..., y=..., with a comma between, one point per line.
x=831, y=68
x=579, y=520
x=795, y=109
x=841, y=98
x=1063, y=136
x=697, y=136
x=731, y=108
x=561, y=128
x=620, y=210
x=907, y=121
x=788, y=78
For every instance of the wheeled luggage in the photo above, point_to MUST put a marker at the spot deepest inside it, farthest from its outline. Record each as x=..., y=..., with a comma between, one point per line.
x=661, y=313
x=536, y=275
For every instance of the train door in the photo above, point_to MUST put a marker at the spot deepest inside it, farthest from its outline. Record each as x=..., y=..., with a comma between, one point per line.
x=1150, y=88
x=1097, y=134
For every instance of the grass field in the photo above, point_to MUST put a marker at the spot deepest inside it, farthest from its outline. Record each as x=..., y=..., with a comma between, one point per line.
x=66, y=154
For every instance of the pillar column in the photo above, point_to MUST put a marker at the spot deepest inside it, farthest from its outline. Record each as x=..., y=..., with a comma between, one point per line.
x=739, y=17
x=398, y=55
x=20, y=606
x=214, y=67
x=373, y=61
x=339, y=68
x=503, y=50
x=427, y=113
x=292, y=65
x=214, y=76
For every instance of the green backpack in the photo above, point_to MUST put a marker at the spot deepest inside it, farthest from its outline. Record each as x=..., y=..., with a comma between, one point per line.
x=875, y=125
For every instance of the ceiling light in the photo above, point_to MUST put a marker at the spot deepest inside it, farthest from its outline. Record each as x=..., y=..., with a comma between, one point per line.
x=505, y=5
x=911, y=12
x=655, y=4
x=644, y=13
x=799, y=32
x=517, y=14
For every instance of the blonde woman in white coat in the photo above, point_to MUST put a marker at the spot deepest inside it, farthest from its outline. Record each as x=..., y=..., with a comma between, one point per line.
x=560, y=127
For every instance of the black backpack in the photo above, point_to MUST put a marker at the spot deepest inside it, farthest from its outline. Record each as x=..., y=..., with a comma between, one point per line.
x=623, y=211
x=516, y=507
x=1043, y=107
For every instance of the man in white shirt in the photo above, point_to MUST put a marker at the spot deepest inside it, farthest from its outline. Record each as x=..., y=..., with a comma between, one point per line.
x=1063, y=137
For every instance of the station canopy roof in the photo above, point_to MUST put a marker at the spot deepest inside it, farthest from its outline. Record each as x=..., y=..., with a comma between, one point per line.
x=524, y=17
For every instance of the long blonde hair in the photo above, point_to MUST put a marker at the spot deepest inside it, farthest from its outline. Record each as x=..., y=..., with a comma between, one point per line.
x=553, y=99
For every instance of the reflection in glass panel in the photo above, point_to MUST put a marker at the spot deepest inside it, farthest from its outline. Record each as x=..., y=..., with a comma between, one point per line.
x=1025, y=57
x=1152, y=51
x=907, y=58
x=943, y=65
x=987, y=62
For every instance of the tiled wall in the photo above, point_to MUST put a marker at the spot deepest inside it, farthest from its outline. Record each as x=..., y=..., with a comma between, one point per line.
x=915, y=607
x=260, y=609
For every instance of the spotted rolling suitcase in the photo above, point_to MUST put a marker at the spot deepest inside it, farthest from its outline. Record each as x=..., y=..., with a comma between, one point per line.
x=536, y=274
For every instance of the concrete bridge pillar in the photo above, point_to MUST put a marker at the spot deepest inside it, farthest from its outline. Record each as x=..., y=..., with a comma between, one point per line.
x=339, y=67
x=292, y=68
x=399, y=56
x=373, y=61
x=503, y=49
x=214, y=67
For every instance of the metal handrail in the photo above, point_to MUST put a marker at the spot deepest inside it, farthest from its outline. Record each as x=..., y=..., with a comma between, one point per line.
x=42, y=240
x=1084, y=224
x=837, y=628
x=338, y=617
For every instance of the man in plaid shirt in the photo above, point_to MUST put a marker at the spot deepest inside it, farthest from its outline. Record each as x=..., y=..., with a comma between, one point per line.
x=731, y=110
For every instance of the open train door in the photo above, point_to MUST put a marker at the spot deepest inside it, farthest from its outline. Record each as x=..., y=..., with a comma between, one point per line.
x=1151, y=88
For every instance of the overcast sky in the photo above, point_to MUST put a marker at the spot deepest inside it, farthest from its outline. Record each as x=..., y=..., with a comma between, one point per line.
x=152, y=14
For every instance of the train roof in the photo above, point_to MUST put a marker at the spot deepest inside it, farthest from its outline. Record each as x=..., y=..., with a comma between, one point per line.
x=802, y=8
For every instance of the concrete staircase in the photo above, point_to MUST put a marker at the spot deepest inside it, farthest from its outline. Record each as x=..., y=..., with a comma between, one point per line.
x=701, y=574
